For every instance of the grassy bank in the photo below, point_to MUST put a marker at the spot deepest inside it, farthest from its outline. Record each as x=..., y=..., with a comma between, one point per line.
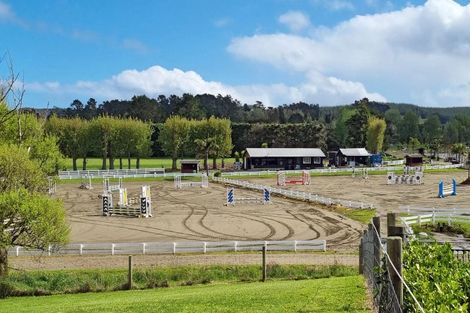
x=345, y=294
x=78, y=281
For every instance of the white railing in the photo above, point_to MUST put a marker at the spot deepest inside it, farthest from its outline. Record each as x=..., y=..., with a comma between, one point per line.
x=295, y=194
x=132, y=173
x=432, y=216
x=329, y=170
x=171, y=247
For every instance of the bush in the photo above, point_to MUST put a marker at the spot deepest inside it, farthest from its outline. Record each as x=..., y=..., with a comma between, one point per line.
x=440, y=282
x=217, y=174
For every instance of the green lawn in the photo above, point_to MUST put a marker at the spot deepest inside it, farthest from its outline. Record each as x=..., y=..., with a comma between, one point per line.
x=344, y=294
x=95, y=163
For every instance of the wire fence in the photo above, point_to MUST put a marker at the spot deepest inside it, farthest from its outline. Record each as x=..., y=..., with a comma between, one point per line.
x=378, y=277
x=295, y=194
x=171, y=247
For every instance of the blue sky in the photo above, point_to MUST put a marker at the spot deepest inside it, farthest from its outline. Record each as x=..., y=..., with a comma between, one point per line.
x=277, y=51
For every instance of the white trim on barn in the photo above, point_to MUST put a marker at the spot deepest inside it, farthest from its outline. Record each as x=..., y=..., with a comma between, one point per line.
x=285, y=152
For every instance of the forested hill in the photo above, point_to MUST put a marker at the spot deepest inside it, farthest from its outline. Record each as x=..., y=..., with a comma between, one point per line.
x=380, y=108
x=200, y=106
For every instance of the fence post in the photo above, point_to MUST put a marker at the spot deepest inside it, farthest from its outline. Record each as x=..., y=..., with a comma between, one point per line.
x=361, y=259
x=129, y=273
x=174, y=247
x=394, y=250
x=112, y=249
x=377, y=239
x=81, y=249
x=264, y=263
x=205, y=247
x=391, y=222
x=17, y=250
x=295, y=245
x=143, y=247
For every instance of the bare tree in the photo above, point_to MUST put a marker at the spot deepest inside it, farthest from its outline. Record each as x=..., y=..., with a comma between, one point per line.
x=10, y=92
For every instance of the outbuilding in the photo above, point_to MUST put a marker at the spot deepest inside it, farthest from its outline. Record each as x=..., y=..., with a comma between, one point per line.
x=349, y=157
x=189, y=166
x=414, y=160
x=283, y=158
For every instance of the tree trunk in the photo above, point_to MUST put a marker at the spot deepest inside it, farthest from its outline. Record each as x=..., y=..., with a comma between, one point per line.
x=74, y=163
x=103, y=162
x=206, y=162
x=111, y=163
x=84, y=164
x=214, y=163
x=3, y=262
x=137, y=163
x=173, y=164
x=129, y=161
x=223, y=163
x=120, y=163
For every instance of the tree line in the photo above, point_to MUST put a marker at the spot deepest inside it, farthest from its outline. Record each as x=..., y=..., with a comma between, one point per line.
x=407, y=126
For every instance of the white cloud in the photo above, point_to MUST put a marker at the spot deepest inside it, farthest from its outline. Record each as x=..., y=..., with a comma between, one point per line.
x=335, y=5
x=295, y=20
x=222, y=22
x=417, y=53
x=157, y=80
x=5, y=12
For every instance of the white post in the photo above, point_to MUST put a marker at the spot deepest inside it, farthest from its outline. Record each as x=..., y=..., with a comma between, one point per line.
x=17, y=251
x=49, y=250
x=266, y=245
x=295, y=245
x=174, y=247
x=235, y=246
x=324, y=245
x=112, y=249
x=81, y=249
x=205, y=247
x=143, y=247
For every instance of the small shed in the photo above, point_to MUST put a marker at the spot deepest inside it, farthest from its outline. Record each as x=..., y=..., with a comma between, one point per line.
x=283, y=158
x=413, y=160
x=349, y=157
x=189, y=166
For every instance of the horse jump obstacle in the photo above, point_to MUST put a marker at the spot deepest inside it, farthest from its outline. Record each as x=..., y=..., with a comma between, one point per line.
x=231, y=199
x=363, y=172
x=123, y=207
x=86, y=182
x=204, y=183
x=282, y=180
x=411, y=176
x=110, y=188
x=52, y=186
x=447, y=190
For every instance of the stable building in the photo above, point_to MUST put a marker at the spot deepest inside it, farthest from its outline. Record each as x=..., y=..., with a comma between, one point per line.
x=414, y=160
x=283, y=158
x=351, y=157
x=189, y=166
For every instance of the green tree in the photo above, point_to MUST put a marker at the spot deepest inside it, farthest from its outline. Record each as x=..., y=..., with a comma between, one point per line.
x=432, y=129
x=31, y=220
x=459, y=149
x=409, y=127
x=375, y=134
x=357, y=124
x=173, y=137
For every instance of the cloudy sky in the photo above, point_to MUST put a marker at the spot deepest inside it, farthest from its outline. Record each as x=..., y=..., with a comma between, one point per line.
x=275, y=51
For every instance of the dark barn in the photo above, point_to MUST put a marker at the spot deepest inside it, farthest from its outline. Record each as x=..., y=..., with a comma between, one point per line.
x=349, y=157
x=283, y=158
x=189, y=166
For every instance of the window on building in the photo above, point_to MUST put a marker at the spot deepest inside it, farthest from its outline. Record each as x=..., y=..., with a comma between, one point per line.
x=307, y=161
x=316, y=160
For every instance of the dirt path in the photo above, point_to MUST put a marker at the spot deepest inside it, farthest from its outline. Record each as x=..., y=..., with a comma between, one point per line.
x=107, y=262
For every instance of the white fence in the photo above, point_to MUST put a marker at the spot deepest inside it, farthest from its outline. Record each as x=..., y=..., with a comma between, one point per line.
x=295, y=194
x=329, y=170
x=148, y=172
x=433, y=215
x=172, y=247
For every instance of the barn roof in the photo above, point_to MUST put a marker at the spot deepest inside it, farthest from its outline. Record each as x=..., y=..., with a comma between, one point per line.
x=284, y=152
x=354, y=152
x=189, y=161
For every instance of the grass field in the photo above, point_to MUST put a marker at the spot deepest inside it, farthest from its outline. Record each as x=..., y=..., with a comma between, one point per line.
x=344, y=294
x=95, y=163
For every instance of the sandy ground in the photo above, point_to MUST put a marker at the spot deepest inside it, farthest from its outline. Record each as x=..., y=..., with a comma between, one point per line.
x=198, y=214
x=385, y=197
x=121, y=261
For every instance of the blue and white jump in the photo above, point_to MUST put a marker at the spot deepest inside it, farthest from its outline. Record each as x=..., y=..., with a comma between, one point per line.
x=231, y=199
x=447, y=190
